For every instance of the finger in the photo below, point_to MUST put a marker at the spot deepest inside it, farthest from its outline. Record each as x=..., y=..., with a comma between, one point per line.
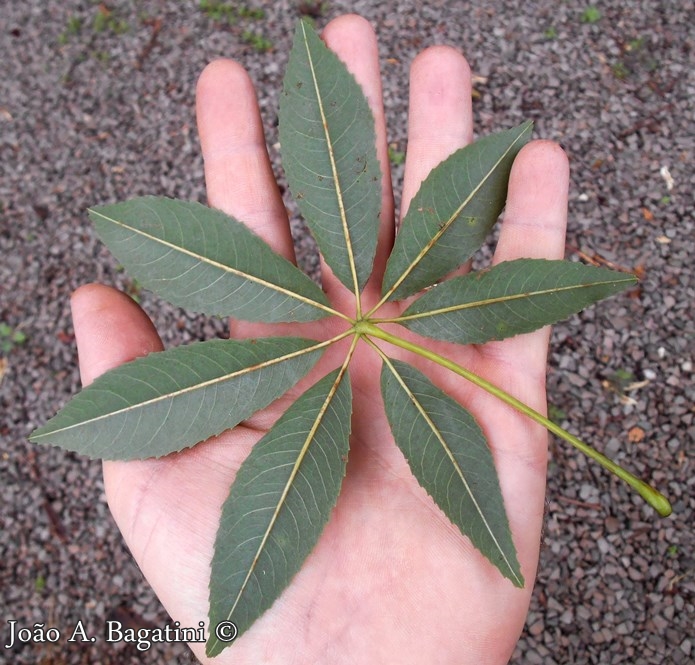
x=535, y=216
x=534, y=226
x=441, y=114
x=110, y=329
x=238, y=173
x=353, y=40
x=441, y=117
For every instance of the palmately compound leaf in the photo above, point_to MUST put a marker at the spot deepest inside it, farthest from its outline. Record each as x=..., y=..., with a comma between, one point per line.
x=201, y=259
x=171, y=400
x=329, y=155
x=448, y=454
x=452, y=212
x=511, y=298
x=279, y=504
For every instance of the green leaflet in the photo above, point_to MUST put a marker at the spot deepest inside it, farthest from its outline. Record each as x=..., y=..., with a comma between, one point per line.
x=329, y=155
x=509, y=299
x=448, y=454
x=452, y=213
x=171, y=400
x=279, y=504
x=199, y=258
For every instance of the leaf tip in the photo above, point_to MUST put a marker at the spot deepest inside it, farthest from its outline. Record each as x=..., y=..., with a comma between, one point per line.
x=41, y=434
x=517, y=579
x=214, y=646
x=36, y=435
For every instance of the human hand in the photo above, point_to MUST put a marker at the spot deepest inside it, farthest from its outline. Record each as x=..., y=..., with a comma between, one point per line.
x=390, y=580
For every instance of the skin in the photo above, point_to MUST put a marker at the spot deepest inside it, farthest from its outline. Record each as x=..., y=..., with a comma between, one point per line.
x=390, y=580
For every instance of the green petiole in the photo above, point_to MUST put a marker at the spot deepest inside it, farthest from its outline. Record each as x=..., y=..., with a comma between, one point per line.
x=653, y=497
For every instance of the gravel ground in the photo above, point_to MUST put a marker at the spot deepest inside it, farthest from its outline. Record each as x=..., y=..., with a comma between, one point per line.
x=96, y=105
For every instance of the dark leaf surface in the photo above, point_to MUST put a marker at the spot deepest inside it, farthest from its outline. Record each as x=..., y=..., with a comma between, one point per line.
x=509, y=299
x=329, y=155
x=201, y=259
x=171, y=400
x=448, y=454
x=452, y=212
x=279, y=504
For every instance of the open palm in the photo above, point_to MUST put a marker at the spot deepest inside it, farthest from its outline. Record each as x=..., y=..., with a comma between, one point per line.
x=391, y=580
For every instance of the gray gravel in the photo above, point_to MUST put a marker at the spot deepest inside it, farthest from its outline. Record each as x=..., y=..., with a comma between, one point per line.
x=90, y=116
